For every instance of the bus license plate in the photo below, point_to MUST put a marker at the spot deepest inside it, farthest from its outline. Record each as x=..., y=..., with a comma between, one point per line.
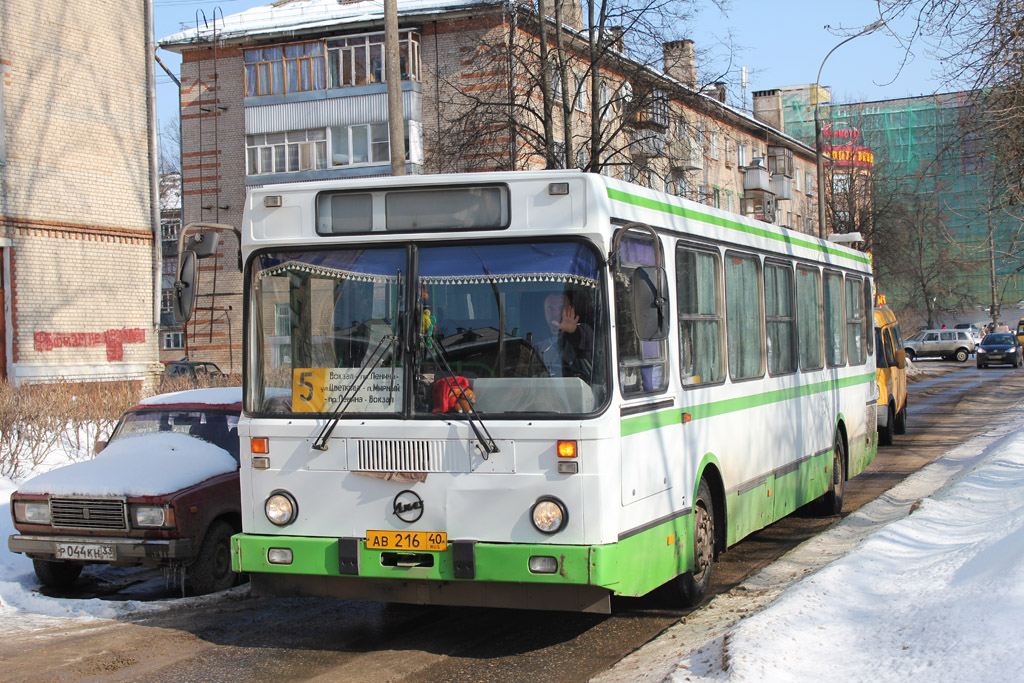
x=85, y=551
x=424, y=541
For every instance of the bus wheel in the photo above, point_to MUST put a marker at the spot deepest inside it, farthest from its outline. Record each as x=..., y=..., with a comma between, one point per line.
x=832, y=501
x=693, y=585
x=885, y=433
x=901, y=420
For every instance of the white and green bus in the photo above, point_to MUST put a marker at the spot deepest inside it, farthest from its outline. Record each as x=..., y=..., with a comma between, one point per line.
x=535, y=389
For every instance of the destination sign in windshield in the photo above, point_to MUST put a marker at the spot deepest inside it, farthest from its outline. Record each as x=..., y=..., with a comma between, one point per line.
x=321, y=390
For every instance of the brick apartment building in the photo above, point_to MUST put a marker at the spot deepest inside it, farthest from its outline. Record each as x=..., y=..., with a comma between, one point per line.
x=79, y=272
x=293, y=91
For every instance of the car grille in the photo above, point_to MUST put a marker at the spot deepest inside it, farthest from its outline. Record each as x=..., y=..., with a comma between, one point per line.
x=88, y=513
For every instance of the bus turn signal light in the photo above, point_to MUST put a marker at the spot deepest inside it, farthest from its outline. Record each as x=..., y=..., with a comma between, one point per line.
x=566, y=449
x=260, y=444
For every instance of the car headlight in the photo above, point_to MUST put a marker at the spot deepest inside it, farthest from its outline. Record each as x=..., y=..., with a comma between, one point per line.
x=980, y=350
x=32, y=511
x=152, y=516
x=281, y=508
x=549, y=515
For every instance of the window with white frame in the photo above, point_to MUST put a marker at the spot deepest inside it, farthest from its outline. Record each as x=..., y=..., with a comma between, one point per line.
x=360, y=60
x=808, y=182
x=607, y=110
x=174, y=340
x=713, y=144
x=741, y=154
x=289, y=152
x=360, y=144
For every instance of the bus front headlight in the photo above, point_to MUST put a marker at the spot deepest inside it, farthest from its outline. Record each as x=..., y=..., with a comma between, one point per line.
x=281, y=508
x=549, y=515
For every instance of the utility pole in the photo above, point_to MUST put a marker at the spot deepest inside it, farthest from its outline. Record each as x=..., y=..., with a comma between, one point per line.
x=393, y=76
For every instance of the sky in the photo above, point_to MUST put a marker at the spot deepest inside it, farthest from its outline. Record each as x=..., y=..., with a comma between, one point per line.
x=781, y=42
x=927, y=583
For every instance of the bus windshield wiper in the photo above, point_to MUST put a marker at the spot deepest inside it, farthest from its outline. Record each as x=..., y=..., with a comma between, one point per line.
x=371, y=363
x=483, y=436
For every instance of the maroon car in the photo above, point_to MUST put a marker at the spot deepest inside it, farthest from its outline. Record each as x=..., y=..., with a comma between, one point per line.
x=162, y=491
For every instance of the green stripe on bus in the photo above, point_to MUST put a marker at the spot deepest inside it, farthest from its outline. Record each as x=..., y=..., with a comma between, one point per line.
x=665, y=207
x=643, y=423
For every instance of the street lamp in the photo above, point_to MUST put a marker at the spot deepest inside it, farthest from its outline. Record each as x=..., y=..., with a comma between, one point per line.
x=817, y=123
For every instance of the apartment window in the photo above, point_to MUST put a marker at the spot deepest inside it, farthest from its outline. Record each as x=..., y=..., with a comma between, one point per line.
x=296, y=150
x=359, y=60
x=360, y=144
x=174, y=340
x=808, y=182
x=716, y=198
x=741, y=155
x=282, y=320
x=713, y=145
x=796, y=181
x=581, y=102
x=283, y=69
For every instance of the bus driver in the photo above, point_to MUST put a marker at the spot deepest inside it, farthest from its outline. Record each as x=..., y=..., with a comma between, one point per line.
x=568, y=351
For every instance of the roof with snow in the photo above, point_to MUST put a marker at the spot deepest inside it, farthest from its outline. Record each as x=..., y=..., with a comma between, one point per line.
x=303, y=15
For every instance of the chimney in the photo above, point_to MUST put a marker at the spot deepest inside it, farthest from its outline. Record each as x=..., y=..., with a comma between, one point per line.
x=572, y=13
x=679, y=62
x=614, y=38
x=718, y=90
x=768, y=108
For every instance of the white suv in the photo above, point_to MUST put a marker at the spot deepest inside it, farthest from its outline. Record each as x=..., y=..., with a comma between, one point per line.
x=946, y=344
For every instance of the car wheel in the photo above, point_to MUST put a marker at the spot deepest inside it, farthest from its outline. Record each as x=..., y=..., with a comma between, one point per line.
x=910, y=354
x=832, y=502
x=885, y=433
x=57, y=574
x=693, y=585
x=961, y=355
x=901, y=420
x=211, y=570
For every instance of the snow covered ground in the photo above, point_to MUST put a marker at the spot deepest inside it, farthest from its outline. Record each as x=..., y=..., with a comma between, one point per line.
x=936, y=593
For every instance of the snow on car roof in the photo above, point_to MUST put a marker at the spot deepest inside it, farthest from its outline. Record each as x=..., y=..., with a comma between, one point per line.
x=219, y=397
x=144, y=465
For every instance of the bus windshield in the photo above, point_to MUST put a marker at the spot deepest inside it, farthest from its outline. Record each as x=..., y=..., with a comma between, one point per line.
x=509, y=328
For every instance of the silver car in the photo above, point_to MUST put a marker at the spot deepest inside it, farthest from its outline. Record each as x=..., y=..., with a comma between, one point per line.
x=945, y=344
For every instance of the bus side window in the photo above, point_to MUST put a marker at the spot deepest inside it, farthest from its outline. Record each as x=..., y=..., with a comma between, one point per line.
x=642, y=364
x=835, y=348
x=808, y=316
x=699, y=293
x=743, y=318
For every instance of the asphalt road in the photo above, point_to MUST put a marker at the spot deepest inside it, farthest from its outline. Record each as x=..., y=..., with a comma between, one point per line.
x=232, y=637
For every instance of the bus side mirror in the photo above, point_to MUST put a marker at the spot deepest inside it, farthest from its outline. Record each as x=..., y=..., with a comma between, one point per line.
x=901, y=359
x=184, y=295
x=650, y=305
x=203, y=244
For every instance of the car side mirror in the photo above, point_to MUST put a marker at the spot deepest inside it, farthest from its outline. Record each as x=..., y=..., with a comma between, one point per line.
x=98, y=446
x=901, y=359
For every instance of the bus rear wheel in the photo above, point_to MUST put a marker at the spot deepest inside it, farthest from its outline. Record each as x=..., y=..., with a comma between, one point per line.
x=693, y=585
x=832, y=502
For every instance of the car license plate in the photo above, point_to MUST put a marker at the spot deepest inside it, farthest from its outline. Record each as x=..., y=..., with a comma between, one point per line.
x=85, y=551
x=423, y=541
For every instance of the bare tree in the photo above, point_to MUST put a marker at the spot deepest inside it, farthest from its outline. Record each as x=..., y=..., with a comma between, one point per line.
x=537, y=71
x=170, y=147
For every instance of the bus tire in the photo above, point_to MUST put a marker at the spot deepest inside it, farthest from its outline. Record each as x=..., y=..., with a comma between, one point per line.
x=57, y=574
x=693, y=585
x=211, y=570
x=901, y=420
x=832, y=502
x=885, y=434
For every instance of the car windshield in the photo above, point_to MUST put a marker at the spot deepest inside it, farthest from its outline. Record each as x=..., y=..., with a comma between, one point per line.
x=998, y=339
x=330, y=328
x=216, y=427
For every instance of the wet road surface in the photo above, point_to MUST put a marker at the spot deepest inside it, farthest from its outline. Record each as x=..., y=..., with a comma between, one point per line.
x=232, y=637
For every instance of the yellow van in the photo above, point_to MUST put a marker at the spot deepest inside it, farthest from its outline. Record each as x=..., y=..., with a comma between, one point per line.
x=891, y=362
